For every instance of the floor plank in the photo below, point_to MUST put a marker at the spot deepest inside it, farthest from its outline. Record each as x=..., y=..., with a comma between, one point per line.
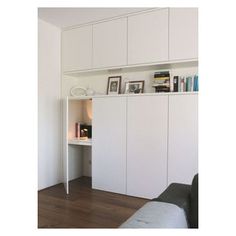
x=84, y=207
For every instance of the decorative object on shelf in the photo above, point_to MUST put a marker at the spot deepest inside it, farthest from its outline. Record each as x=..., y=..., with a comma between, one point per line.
x=90, y=92
x=78, y=91
x=114, y=84
x=161, y=81
x=85, y=131
x=134, y=86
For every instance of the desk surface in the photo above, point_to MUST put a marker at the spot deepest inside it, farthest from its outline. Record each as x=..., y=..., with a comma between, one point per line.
x=76, y=141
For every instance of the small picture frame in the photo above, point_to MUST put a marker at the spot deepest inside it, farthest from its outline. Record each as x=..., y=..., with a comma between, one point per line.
x=134, y=86
x=114, y=84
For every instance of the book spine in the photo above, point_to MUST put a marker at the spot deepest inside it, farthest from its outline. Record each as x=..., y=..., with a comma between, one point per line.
x=175, y=83
x=171, y=84
x=162, y=74
x=184, y=90
x=179, y=83
x=182, y=87
x=195, y=86
x=188, y=84
x=192, y=83
x=77, y=130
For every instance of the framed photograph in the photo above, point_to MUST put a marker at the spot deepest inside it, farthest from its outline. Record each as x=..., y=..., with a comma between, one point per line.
x=113, y=86
x=134, y=86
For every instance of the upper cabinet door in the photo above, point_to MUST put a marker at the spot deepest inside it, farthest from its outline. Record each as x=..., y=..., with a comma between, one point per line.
x=110, y=43
x=183, y=33
x=148, y=37
x=77, y=49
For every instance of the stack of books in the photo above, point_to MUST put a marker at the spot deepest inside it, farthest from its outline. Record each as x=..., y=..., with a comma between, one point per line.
x=161, y=81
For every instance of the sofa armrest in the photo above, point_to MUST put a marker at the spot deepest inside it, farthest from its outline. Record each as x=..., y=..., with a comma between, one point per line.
x=178, y=194
x=194, y=203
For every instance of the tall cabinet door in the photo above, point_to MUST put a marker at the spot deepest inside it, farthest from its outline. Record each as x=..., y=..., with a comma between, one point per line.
x=147, y=145
x=148, y=37
x=183, y=138
x=109, y=144
x=183, y=33
x=65, y=145
x=77, y=49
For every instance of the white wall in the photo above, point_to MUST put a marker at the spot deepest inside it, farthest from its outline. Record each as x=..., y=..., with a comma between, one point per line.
x=49, y=111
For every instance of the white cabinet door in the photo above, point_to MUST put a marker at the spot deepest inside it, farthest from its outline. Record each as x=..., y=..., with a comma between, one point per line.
x=109, y=144
x=148, y=37
x=65, y=145
x=110, y=43
x=147, y=145
x=183, y=33
x=183, y=138
x=77, y=49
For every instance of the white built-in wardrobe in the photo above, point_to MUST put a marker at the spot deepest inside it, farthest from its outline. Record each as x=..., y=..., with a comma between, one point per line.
x=140, y=143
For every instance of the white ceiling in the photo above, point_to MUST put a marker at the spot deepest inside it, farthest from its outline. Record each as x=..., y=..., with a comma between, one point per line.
x=66, y=17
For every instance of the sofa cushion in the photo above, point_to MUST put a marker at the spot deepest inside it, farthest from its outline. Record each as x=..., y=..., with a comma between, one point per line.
x=157, y=215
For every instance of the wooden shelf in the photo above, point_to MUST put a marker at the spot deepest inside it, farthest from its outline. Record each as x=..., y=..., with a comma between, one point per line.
x=76, y=141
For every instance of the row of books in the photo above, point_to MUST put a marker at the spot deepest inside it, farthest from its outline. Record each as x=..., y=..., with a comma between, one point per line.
x=162, y=82
x=185, y=84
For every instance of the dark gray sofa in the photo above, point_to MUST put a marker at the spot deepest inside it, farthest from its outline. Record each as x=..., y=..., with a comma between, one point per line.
x=176, y=207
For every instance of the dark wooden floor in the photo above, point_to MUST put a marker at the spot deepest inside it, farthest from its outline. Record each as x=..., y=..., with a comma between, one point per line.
x=84, y=207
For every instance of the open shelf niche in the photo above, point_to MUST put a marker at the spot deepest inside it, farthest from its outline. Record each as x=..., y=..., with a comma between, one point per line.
x=79, y=151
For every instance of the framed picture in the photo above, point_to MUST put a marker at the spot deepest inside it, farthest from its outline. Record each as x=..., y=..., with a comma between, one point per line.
x=134, y=86
x=113, y=86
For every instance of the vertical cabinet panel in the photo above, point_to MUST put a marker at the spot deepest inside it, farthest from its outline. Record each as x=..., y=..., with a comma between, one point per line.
x=77, y=49
x=147, y=145
x=109, y=144
x=148, y=37
x=110, y=43
x=183, y=138
x=65, y=145
x=183, y=33
x=75, y=114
